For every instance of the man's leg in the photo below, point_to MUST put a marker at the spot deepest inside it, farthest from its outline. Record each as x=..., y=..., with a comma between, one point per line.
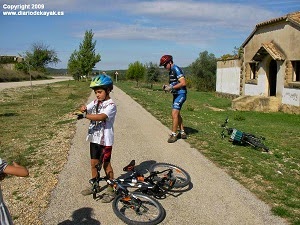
x=180, y=122
x=175, y=119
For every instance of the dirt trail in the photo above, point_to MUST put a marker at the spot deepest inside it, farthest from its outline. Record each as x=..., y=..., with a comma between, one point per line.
x=214, y=198
x=4, y=85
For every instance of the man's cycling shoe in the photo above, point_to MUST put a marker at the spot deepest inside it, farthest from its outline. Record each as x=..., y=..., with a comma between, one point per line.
x=172, y=138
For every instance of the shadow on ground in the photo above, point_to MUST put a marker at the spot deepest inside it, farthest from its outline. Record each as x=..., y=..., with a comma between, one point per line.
x=81, y=216
x=189, y=130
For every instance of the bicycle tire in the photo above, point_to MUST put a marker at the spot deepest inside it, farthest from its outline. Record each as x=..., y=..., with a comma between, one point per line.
x=152, y=211
x=182, y=177
x=255, y=142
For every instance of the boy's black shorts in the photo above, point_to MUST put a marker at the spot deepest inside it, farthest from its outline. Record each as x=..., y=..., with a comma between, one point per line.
x=103, y=153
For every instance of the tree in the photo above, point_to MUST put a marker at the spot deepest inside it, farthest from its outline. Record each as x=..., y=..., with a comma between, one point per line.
x=83, y=61
x=136, y=71
x=73, y=66
x=86, y=55
x=40, y=56
x=204, y=72
x=153, y=73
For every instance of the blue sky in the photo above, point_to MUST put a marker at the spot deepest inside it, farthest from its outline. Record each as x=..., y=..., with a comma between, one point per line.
x=138, y=30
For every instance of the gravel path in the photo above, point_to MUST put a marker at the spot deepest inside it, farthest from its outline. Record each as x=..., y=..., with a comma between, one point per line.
x=4, y=85
x=214, y=197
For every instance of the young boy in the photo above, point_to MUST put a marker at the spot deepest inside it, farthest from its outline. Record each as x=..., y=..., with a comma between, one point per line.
x=177, y=86
x=101, y=112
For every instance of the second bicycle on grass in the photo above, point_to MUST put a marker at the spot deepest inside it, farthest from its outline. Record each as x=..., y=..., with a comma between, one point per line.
x=242, y=138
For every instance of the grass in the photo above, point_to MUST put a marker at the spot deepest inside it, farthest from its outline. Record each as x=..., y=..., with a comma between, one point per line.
x=26, y=124
x=7, y=75
x=273, y=177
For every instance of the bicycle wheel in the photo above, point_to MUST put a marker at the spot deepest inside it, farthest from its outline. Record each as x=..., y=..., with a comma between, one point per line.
x=256, y=143
x=139, y=209
x=182, y=178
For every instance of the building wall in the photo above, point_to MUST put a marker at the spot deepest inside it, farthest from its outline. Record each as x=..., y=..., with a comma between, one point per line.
x=291, y=96
x=228, y=77
x=285, y=35
x=261, y=88
x=231, y=74
x=8, y=66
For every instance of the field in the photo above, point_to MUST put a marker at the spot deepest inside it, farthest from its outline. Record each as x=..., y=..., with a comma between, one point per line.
x=28, y=129
x=274, y=177
x=37, y=126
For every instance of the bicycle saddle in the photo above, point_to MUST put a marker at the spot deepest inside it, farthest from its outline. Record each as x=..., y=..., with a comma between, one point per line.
x=130, y=166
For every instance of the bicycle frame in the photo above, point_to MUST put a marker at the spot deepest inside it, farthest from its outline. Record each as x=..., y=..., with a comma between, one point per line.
x=131, y=207
x=152, y=184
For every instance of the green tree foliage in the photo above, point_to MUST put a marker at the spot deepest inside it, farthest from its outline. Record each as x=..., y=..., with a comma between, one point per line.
x=86, y=54
x=237, y=53
x=136, y=71
x=73, y=65
x=204, y=72
x=83, y=61
x=21, y=66
x=153, y=73
x=39, y=57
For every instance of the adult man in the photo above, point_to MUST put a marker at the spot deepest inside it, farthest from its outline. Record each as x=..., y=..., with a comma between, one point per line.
x=177, y=86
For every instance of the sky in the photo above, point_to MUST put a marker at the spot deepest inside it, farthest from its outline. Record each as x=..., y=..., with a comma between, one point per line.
x=127, y=31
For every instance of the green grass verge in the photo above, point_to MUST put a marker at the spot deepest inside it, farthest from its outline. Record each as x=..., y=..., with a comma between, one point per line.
x=273, y=177
x=28, y=117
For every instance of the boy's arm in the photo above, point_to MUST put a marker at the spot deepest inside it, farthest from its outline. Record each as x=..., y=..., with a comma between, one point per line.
x=96, y=117
x=16, y=169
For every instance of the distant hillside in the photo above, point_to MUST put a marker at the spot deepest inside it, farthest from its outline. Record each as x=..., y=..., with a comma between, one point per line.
x=57, y=71
x=64, y=71
x=53, y=71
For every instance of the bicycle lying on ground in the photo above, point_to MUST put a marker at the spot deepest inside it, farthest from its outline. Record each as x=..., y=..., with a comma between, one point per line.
x=139, y=207
x=242, y=138
x=132, y=207
x=162, y=178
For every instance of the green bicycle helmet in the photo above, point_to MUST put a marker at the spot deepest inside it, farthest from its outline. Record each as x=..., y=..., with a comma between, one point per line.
x=102, y=81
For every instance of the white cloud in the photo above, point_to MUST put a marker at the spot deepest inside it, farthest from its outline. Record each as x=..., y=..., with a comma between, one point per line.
x=178, y=21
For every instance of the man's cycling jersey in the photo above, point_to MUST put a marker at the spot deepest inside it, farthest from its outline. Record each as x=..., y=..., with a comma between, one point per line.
x=174, y=75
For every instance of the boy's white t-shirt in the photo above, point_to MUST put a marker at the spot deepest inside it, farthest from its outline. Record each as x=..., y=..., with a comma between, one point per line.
x=102, y=132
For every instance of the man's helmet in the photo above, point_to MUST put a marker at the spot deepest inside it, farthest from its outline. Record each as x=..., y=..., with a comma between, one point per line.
x=102, y=81
x=165, y=59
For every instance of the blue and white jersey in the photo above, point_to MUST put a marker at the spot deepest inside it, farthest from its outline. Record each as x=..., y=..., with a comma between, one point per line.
x=174, y=75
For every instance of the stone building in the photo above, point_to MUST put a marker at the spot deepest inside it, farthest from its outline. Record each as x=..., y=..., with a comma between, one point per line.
x=8, y=62
x=266, y=77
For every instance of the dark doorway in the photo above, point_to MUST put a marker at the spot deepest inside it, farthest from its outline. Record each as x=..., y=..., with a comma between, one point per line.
x=272, y=77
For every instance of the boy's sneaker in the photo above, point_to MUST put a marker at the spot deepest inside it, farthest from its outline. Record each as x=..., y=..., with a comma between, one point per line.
x=172, y=138
x=89, y=191
x=108, y=197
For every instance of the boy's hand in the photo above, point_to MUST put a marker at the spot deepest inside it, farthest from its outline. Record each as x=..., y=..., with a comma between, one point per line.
x=83, y=109
x=81, y=116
